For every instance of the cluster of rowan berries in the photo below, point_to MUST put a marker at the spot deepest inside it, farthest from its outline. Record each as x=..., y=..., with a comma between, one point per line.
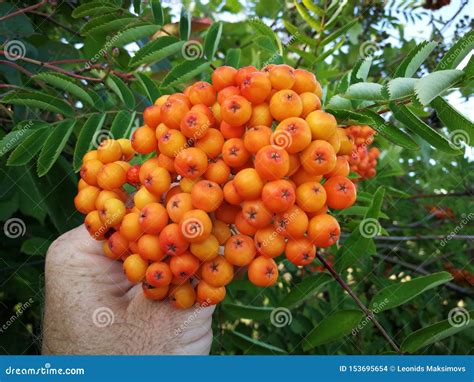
x=363, y=159
x=249, y=164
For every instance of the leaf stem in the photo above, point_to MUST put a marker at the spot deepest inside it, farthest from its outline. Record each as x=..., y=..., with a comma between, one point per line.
x=361, y=305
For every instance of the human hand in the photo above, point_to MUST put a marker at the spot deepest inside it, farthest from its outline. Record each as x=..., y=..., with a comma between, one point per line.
x=91, y=308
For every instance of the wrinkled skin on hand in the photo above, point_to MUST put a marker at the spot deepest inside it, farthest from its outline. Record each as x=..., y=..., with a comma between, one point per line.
x=91, y=308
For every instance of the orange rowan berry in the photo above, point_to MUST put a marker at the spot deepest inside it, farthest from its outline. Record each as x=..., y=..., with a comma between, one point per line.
x=318, y=158
x=111, y=176
x=278, y=195
x=85, y=199
x=109, y=151
x=239, y=250
x=208, y=295
x=285, y=104
x=207, y=249
x=172, y=241
x=202, y=92
x=323, y=230
x=300, y=251
x=236, y=110
x=304, y=82
x=135, y=268
x=158, y=274
x=268, y=242
x=182, y=296
x=223, y=77
x=144, y=140
x=341, y=192
x=256, y=87
x=282, y=77
x=263, y=271
x=151, y=116
x=217, y=272
x=272, y=162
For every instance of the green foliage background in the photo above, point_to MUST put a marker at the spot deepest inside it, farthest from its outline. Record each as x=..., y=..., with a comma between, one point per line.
x=78, y=77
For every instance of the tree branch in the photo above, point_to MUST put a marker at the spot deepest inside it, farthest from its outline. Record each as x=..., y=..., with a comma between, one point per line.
x=426, y=237
x=54, y=21
x=17, y=67
x=449, y=194
x=55, y=68
x=419, y=269
x=361, y=305
x=49, y=65
x=23, y=10
x=68, y=61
